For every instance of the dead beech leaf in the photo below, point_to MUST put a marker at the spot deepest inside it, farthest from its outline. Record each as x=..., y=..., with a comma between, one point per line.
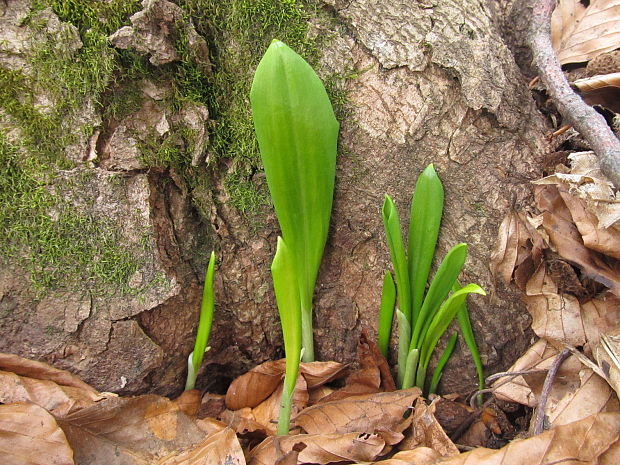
x=592, y=440
x=418, y=456
x=427, y=432
x=590, y=84
x=39, y=370
x=253, y=387
x=189, y=402
x=607, y=355
x=57, y=399
x=367, y=413
x=588, y=182
x=136, y=430
x=603, y=240
x=520, y=389
x=267, y=412
x=564, y=236
x=217, y=449
x=29, y=435
x=580, y=33
x=320, y=448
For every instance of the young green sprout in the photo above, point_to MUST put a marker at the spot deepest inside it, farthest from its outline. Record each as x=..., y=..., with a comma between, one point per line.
x=194, y=361
x=424, y=314
x=297, y=134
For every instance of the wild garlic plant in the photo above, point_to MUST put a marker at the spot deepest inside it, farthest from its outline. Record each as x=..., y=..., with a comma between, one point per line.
x=297, y=134
x=207, y=307
x=423, y=314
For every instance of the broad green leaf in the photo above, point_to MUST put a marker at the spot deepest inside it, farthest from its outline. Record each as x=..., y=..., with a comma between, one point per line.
x=297, y=135
x=424, y=222
x=441, y=285
x=289, y=307
x=386, y=313
x=445, y=356
x=411, y=368
x=204, y=324
x=391, y=222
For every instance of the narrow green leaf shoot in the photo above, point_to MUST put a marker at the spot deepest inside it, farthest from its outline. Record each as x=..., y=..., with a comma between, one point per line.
x=386, y=313
x=207, y=308
x=289, y=307
x=445, y=356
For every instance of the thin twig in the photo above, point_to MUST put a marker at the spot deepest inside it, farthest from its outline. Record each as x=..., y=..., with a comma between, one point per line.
x=573, y=109
x=539, y=422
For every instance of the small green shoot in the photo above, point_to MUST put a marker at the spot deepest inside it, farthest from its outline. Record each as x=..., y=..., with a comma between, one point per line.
x=445, y=356
x=297, y=134
x=207, y=307
x=386, y=313
x=424, y=314
x=289, y=306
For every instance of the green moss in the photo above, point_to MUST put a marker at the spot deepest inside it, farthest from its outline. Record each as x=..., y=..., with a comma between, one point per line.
x=239, y=32
x=42, y=232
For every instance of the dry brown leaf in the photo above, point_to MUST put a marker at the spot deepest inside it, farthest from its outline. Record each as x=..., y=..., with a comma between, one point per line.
x=586, y=180
x=57, y=399
x=242, y=421
x=367, y=413
x=561, y=318
x=267, y=412
x=520, y=389
x=564, y=236
x=580, y=33
x=427, y=432
x=590, y=84
x=592, y=440
x=518, y=251
x=260, y=382
x=418, y=456
x=189, y=402
x=221, y=448
x=320, y=448
x=126, y=431
x=607, y=355
x=39, y=370
x=29, y=435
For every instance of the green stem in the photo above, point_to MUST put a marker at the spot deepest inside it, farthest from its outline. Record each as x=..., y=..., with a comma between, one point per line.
x=410, y=368
x=307, y=336
x=286, y=404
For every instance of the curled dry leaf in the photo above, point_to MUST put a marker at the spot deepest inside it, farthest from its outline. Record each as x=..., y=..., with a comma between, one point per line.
x=590, y=84
x=189, y=402
x=319, y=448
x=518, y=250
x=368, y=414
x=576, y=393
x=580, y=33
x=220, y=448
x=418, y=456
x=267, y=412
x=593, y=440
x=58, y=391
x=565, y=237
x=30, y=435
x=427, y=432
x=260, y=382
x=607, y=355
x=560, y=317
x=136, y=430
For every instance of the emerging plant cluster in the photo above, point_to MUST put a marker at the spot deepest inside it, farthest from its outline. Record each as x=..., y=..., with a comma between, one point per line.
x=297, y=133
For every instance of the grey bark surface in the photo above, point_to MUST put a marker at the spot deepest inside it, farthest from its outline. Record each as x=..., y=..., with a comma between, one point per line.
x=434, y=83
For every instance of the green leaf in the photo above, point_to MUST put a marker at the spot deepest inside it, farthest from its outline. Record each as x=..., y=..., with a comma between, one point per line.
x=386, y=313
x=445, y=356
x=297, y=134
x=424, y=222
x=207, y=308
x=441, y=285
x=404, y=335
x=391, y=222
x=442, y=320
x=468, y=334
x=286, y=289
